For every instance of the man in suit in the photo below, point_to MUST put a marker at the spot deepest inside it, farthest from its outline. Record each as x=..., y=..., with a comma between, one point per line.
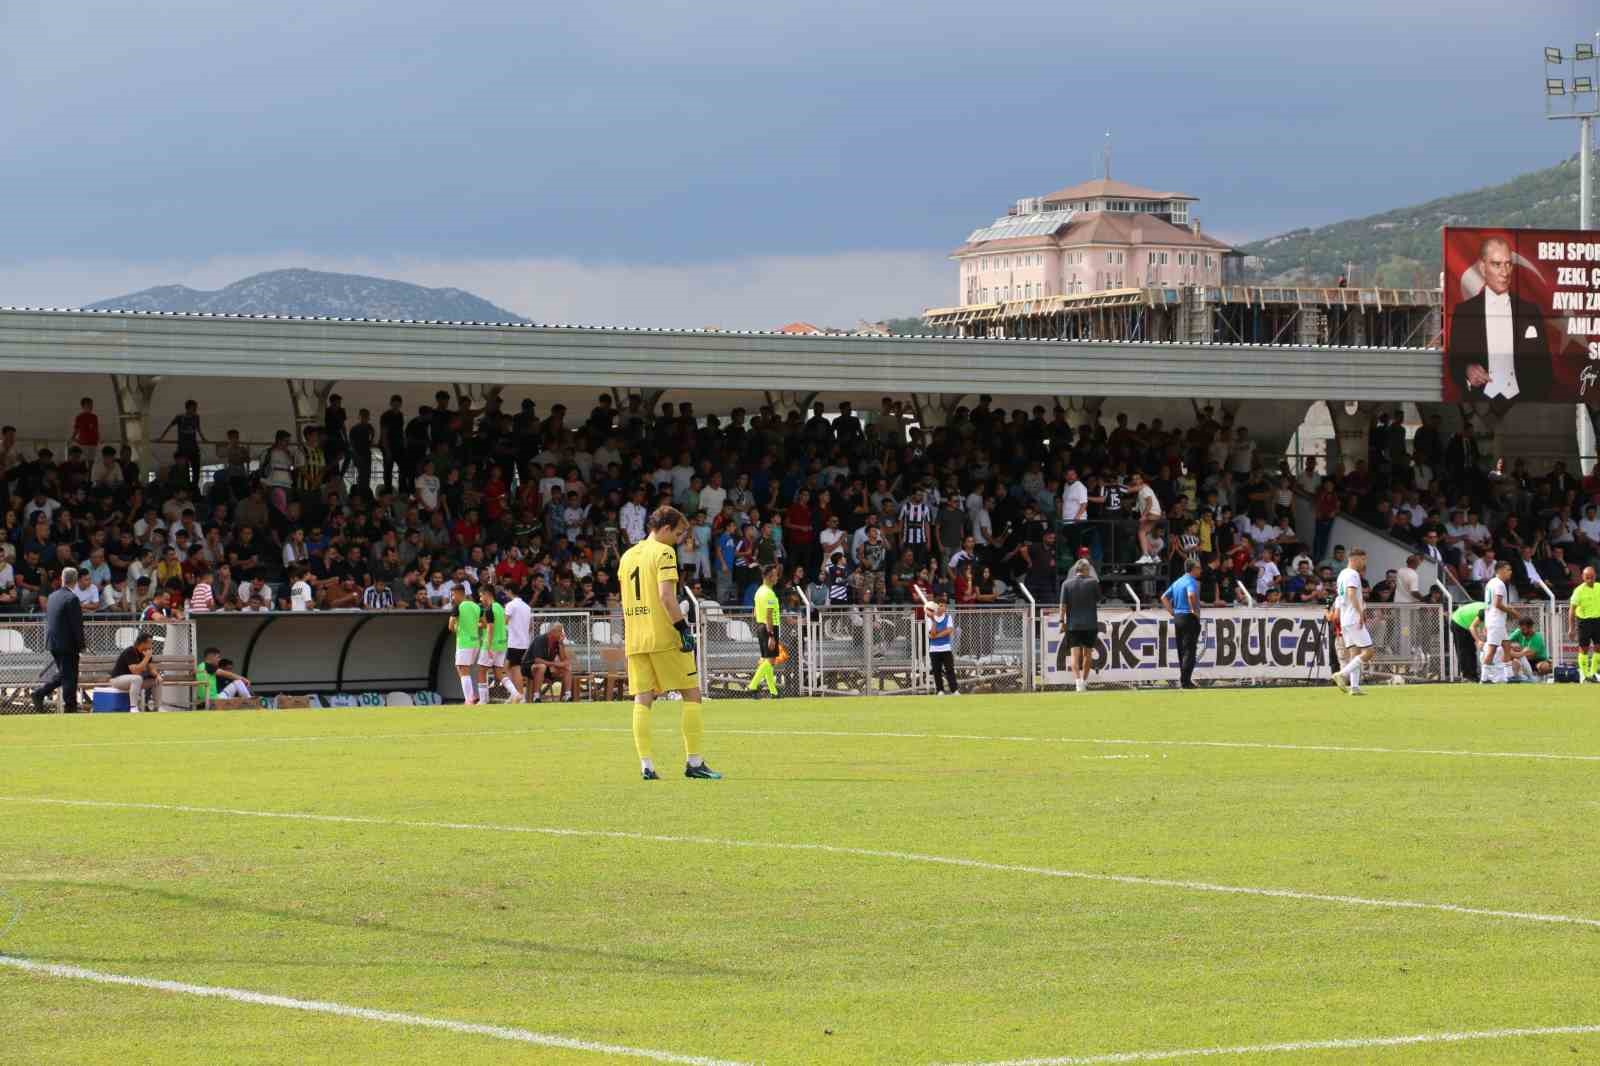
x=63, y=639
x=1498, y=350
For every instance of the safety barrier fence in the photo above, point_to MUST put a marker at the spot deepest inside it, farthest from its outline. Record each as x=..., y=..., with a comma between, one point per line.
x=847, y=650
x=25, y=660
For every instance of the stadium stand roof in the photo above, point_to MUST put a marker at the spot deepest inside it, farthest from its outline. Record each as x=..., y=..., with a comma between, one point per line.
x=269, y=346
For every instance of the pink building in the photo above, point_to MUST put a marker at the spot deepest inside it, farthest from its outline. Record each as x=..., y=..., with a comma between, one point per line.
x=1098, y=236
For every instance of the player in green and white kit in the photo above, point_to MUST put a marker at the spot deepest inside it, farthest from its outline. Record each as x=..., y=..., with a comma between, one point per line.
x=768, y=612
x=466, y=622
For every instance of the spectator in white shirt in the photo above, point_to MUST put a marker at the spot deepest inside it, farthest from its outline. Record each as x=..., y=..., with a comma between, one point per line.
x=301, y=598
x=1563, y=530
x=1074, y=498
x=87, y=591
x=427, y=486
x=1149, y=511
x=8, y=583
x=40, y=501
x=713, y=496
x=832, y=538
x=1310, y=481
x=1242, y=453
x=255, y=589
x=682, y=474
x=1589, y=531
x=1408, y=583
x=632, y=518
x=983, y=524
x=1267, y=573
x=551, y=480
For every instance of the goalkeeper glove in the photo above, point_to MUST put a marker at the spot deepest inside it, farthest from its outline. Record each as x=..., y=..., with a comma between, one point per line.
x=685, y=638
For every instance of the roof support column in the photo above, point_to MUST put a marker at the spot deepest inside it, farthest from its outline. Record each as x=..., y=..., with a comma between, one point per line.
x=134, y=393
x=309, y=398
x=1081, y=410
x=784, y=400
x=1351, y=431
x=934, y=409
x=1486, y=424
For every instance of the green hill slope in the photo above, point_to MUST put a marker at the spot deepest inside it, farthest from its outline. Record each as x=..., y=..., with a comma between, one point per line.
x=1400, y=248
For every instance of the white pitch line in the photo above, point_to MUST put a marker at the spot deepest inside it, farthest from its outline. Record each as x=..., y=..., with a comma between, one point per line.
x=1246, y=744
x=840, y=733
x=836, y=849
x=315, y=1006
x=1351, y=1043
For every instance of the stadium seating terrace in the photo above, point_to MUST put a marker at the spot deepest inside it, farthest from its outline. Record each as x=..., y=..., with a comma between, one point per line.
x=359, y=514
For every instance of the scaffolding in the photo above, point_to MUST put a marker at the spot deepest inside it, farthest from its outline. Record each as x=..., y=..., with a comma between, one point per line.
x=1222, y=314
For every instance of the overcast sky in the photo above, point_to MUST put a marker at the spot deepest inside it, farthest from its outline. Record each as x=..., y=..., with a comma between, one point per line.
x=716, y=163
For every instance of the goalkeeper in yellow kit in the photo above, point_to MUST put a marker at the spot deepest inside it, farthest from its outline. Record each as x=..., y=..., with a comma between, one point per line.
x=659, y=644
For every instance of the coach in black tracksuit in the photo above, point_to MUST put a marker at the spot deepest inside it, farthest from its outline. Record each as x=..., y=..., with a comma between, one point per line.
x=63, y=639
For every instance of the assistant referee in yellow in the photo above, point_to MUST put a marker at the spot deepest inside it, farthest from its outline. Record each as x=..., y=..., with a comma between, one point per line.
x=660, y=646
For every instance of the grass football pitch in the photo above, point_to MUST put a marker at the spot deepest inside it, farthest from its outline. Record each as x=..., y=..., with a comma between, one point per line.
x=1275, y=876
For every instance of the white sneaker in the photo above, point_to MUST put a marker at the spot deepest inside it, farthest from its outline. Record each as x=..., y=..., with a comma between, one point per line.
x=1083, y=686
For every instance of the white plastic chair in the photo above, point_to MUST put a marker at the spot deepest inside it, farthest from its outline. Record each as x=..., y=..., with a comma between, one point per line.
x=11, y=641
x=398, y=699
x=600, y=633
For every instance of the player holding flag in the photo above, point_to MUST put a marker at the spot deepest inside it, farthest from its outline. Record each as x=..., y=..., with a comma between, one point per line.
x=767, y=616
x=659, y=645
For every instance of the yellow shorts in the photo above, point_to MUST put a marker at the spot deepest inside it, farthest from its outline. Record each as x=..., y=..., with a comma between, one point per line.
x=661, y=671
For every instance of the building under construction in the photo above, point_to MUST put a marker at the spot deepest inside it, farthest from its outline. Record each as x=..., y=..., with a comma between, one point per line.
x=1229, y=314
x=1106, y=260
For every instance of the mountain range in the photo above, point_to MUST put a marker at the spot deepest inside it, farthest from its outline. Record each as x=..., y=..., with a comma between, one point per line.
x=316, y=293
x=1401, y=248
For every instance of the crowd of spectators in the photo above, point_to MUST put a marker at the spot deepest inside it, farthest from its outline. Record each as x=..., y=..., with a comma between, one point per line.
x=394, y=510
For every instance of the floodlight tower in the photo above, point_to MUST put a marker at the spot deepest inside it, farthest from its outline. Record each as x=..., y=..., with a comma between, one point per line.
x=1577, y=97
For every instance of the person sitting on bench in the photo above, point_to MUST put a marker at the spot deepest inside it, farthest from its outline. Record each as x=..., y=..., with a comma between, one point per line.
x=217, y=680
x=135, y=674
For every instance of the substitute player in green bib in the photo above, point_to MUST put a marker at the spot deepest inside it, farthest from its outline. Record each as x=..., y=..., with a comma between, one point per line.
x=767, y=616
x=1466, y=629
x=466, y=622
x=1583, y=615
x=659, y=644
x=493, y=656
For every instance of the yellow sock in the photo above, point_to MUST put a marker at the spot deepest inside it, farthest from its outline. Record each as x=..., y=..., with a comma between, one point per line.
x=1585, y=663
x=764, y=672
x=641, y=730
x=693, y=727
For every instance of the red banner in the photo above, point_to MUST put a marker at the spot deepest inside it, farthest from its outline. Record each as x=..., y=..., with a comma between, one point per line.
x=1521, y=315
